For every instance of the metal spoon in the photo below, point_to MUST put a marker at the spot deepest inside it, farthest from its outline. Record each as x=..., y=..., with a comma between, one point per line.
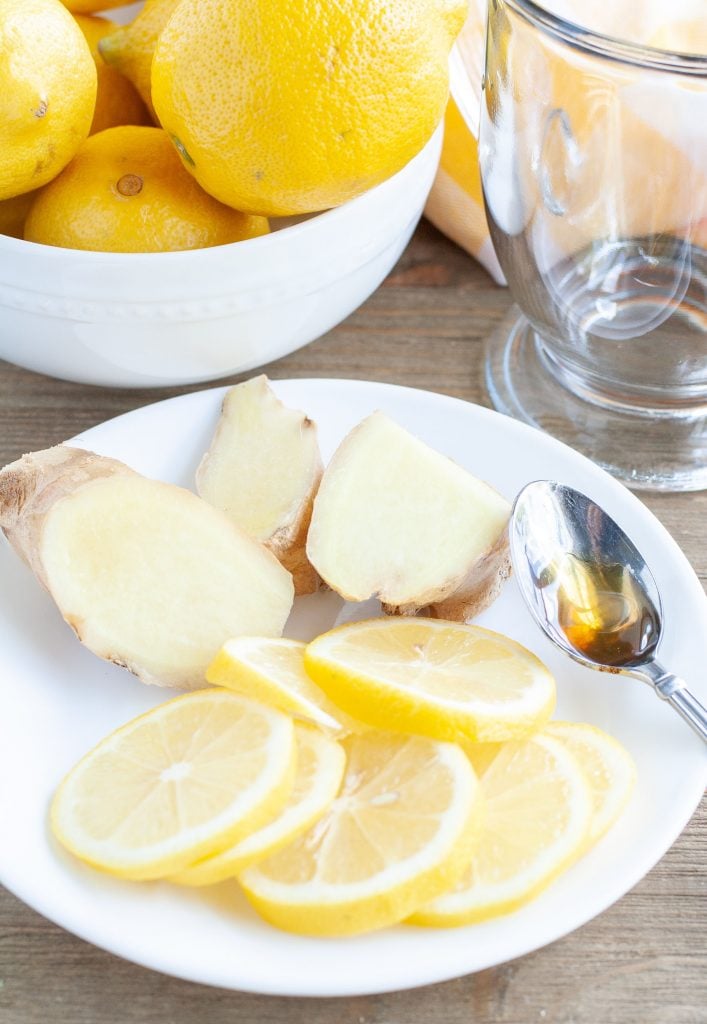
x=590, y=590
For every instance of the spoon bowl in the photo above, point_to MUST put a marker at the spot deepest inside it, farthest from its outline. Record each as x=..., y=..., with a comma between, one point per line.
x=590, y=590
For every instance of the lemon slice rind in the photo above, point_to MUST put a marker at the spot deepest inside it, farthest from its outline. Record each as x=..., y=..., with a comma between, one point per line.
x=608, y=767
x=319, y=907
x=272, y=670
x=392, y=695
x=300, y=812
x=95, y=802
x=480, y=900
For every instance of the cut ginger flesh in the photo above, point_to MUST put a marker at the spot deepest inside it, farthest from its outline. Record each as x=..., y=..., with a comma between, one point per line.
x=153, y=578
x=397, y=520
x=262, y=470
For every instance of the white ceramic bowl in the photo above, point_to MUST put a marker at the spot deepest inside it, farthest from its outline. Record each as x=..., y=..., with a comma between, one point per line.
x=143, y=320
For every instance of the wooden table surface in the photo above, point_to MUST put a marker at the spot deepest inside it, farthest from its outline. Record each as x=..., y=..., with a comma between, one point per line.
x=644, y=961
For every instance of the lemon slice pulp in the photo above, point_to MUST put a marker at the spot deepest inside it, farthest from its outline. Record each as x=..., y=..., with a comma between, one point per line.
x=185, y=779
x=538, y=814
x=446, y=680
x=608, y=768
x=320, y=768
x=272, y=670
x=402, y=829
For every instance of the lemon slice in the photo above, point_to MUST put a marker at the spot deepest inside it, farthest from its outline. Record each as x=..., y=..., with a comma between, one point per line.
x=481, y=754
x=608, y=768
x=189, y=777
x=320, y=769
x=272, y=670
x=538, y=813
x=441, y=679
x=401, y=830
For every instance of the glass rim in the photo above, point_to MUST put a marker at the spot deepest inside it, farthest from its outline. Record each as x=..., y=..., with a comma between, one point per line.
x=611, y=47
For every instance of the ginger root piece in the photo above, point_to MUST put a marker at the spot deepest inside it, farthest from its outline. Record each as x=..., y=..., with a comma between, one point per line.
x=263, y=470
x=396, y=520
x=148, y=575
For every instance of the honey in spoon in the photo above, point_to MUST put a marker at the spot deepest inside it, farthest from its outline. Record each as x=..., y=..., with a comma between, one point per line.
x=601, y=610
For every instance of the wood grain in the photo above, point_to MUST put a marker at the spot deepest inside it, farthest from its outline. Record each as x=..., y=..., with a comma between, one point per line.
x=642, y=962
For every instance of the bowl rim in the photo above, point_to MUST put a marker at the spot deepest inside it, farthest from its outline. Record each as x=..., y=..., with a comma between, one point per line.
x=10, y=245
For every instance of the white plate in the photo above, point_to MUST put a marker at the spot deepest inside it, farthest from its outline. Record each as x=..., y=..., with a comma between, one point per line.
x=57, y=700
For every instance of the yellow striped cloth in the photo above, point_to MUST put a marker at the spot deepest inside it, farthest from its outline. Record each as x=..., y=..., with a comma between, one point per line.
x=455, y=204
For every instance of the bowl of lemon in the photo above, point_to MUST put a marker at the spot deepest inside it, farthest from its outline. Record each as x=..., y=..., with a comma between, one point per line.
x=192, y=188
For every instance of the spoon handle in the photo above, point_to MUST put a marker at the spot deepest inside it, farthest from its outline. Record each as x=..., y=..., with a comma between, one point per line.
x=691, y=710
x=673, y=689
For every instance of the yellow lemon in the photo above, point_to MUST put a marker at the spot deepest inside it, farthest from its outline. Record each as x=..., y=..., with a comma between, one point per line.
x=403, y=826
x=609, y=770
x=284, y=107
x=47, y=92
x=434, y=678
x=178, y=783
x=126, y=191
x=538, y=815
x=13, y=213
x=91, y=6
x=320, y=768
x=130, y=48
x=117, y=100
x=481, y=754
x=271, y=669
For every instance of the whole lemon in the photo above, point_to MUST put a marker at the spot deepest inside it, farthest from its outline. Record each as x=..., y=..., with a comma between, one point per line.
x=290, y=106
x=47, y=92
x=91, y=6
x=131, y=47
x=117, y=100
x=126, y=191
x=13, y=213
